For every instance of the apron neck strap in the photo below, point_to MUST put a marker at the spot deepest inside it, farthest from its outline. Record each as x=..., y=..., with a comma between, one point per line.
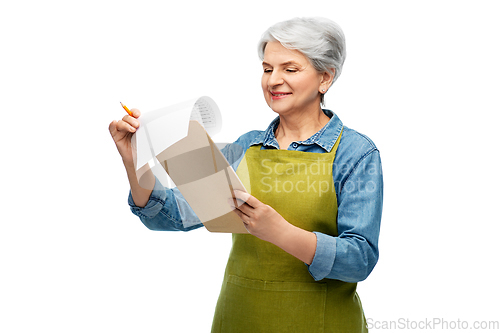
x=333, y=150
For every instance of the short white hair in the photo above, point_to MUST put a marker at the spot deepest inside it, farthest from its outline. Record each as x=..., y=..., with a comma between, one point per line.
x=319, y=39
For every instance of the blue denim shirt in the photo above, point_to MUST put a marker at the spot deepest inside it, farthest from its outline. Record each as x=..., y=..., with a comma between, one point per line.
x=357, y=176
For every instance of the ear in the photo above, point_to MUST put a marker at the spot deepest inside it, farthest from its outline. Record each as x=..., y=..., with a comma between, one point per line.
x=326, y=81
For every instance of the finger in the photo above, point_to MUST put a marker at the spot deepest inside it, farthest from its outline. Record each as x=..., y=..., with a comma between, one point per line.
x=120, y=126
x=241, y=215
x=241, y=196
x=123, y=126
x=238, y=202
x=131, y=121
x=234, y=201
x=247, y=198
x=241, y=210
x=246, y=220
x=240, y=206
x=244, y=208
x=112, y=126
x=136, y=113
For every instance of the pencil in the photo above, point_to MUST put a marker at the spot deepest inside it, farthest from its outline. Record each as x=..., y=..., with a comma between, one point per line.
x=126, y=109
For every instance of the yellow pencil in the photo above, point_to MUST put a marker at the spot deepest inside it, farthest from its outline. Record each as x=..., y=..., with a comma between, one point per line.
x=126, y=109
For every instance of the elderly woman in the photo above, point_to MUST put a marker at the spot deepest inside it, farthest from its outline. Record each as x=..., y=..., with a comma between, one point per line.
x=314, y=209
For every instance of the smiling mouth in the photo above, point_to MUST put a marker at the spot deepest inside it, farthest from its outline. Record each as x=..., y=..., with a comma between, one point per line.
x=278, y=95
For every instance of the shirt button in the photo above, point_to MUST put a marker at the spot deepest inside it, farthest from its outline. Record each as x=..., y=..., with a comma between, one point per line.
x=295, y=145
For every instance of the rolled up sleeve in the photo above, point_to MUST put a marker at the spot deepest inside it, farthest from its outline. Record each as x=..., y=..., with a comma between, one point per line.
x=352, y=255
x=324, y=257
x=166, y=210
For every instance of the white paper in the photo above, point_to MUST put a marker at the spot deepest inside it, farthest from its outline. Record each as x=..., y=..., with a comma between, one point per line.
x=161, y=128
x=206, y=112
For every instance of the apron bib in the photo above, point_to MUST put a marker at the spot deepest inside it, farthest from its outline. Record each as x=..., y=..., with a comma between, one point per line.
x=266, y=289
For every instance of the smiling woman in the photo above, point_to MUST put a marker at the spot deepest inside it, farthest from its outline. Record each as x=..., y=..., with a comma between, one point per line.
x=290, y=82
x=312, y=237
x=320, y=40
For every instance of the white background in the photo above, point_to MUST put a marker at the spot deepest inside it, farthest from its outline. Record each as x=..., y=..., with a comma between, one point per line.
x=420, y=79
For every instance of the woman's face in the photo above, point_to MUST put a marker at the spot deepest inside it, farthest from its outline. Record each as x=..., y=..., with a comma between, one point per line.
x=290, y=82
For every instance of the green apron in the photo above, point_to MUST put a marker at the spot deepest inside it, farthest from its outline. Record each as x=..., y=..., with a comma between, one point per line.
x=266, y=289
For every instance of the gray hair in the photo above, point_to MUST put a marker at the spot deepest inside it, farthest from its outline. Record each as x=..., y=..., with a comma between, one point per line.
x=319, y=39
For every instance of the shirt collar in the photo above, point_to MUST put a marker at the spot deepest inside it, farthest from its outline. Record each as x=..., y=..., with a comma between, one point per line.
x=325, y=137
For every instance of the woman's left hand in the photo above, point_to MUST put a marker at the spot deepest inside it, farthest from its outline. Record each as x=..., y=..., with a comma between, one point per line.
x=264, y=222
x=260, y=220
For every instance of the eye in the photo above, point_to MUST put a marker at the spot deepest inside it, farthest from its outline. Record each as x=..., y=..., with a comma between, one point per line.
x=267, y=70
x=291, y=70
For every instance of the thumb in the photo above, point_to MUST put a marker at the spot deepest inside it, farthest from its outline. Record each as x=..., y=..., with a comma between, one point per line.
x=112, y=126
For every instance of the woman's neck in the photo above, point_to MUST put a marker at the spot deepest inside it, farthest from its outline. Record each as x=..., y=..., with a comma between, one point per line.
x=299, y=127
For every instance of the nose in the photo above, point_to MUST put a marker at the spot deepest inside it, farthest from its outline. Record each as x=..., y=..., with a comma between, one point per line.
x=275, y=79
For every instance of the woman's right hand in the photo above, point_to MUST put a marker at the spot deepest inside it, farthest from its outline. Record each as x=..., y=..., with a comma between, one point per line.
x=122, y=131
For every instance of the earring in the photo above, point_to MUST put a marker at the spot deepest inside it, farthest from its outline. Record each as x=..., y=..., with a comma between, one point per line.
x=323, y=90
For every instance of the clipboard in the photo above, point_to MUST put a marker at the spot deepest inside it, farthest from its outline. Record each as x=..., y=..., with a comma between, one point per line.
x=205, y=178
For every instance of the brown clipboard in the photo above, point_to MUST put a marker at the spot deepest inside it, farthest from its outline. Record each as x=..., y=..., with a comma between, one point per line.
x=205, y=178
